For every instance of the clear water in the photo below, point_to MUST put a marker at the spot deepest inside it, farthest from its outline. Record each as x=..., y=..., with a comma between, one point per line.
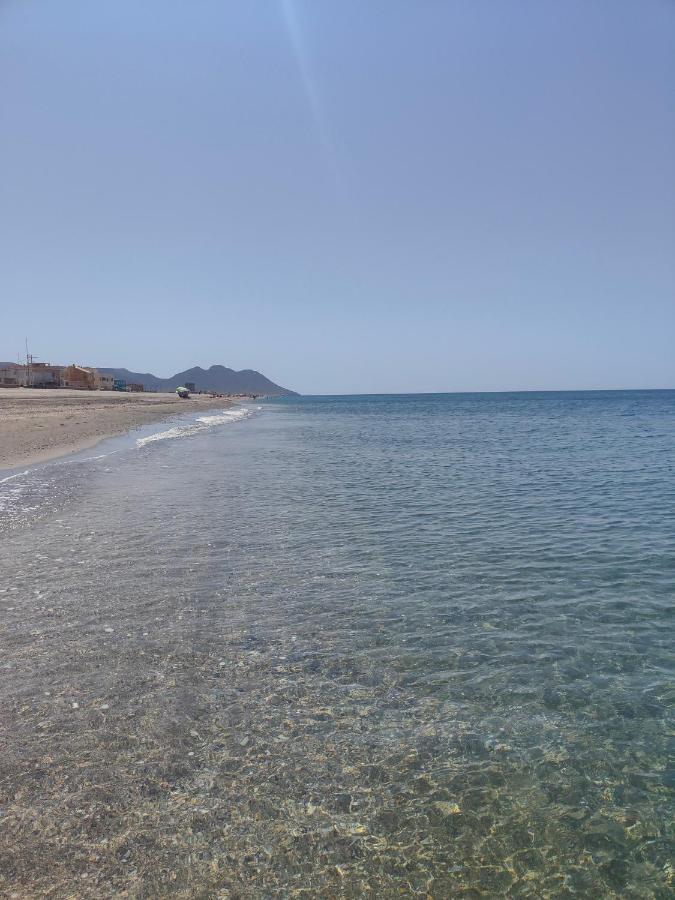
x=357, y=646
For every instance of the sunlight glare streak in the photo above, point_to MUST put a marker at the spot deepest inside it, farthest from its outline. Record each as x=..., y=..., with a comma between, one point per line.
x=302, y=58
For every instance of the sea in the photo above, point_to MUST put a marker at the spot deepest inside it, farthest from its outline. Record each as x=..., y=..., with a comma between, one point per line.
x=360, y=646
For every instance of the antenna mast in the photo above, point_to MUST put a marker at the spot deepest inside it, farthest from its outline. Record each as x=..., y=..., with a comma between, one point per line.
x=29, y=361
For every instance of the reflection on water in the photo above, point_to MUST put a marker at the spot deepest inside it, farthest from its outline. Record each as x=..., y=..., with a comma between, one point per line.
x=388, y=646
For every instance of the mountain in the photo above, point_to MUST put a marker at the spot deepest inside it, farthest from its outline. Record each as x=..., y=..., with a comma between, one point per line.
x=218, y=378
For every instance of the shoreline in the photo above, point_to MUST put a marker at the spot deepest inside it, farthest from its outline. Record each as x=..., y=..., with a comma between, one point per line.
x=38, y=426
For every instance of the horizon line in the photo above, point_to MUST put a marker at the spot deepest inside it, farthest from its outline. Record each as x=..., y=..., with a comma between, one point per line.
x=494, y=391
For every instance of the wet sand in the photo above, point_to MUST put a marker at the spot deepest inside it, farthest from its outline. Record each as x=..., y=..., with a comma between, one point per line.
x=37, y=425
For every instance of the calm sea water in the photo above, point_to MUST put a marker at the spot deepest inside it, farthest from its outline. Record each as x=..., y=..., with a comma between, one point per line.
x=353, y=646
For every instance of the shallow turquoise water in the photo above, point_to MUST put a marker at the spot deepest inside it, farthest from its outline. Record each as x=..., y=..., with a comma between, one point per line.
x=408, y=645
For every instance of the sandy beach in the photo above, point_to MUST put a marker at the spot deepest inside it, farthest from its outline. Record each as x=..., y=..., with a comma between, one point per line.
x=39, y=425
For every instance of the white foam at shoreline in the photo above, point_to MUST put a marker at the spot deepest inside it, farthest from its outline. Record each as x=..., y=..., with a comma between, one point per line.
x=10, y=477
x=203, y=423
x=41, y=486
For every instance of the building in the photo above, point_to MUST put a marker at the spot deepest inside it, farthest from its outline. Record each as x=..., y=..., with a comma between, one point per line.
x=106, y=382
x=119, y=384
x=13, y=376
x=79, y=378
x=43, y=375
x=135, y=387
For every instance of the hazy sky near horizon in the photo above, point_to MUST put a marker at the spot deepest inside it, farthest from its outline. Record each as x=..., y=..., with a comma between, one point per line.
x=350, y=196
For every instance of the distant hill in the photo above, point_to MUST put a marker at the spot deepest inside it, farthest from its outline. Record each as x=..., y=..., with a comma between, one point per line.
x=217, y=378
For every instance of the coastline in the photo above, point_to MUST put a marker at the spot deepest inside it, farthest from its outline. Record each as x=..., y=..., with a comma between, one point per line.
x=41, y=425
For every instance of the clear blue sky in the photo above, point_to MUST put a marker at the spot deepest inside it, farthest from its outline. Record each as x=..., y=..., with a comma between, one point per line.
x=391, y=195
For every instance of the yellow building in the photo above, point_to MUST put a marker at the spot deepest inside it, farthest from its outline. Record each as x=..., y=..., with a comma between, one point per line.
x=79, y=378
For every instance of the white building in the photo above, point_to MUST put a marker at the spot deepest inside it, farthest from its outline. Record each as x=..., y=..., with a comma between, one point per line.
x=13, y=376
x=105, y=382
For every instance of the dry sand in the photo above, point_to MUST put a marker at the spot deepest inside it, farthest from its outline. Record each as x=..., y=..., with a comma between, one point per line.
x=36, y=425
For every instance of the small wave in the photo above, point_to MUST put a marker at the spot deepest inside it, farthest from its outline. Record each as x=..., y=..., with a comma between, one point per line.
x=203, y=423
x=10, y=477
x=230, y=415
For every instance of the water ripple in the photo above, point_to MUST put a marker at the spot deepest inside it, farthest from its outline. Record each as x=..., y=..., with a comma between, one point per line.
x=384, y=646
